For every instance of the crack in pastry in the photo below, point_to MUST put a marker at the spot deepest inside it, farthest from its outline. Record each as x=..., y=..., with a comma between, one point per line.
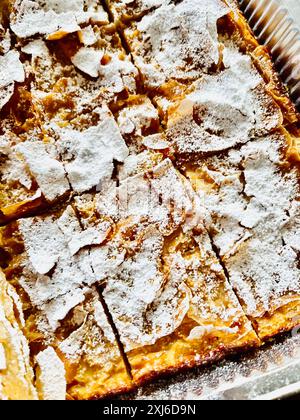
x=16, y=373
x=162, y=282
x=182, y=48
x=252, y=200
x=92, y=357
x=50, y=265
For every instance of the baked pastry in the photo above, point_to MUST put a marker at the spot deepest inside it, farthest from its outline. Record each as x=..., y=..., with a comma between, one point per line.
x=16, y=374
x=149, y=193
x=65, y=321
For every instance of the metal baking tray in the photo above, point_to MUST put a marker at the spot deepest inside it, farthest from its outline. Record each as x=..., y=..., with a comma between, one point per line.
x=276, y=23
x=272, y=372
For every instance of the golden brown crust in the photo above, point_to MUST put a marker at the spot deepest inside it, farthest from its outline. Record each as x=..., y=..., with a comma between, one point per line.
x=213, y=357
x=282, y=319
x=16, y=376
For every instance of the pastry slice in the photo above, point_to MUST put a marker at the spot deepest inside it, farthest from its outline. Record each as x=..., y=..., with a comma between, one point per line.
x=223, y=110
x=94, y=365
x=16, y=373
x=177, y=41
x=89, y=64
x=47, y=258
x=173, y=306
x=162, y=283
x=252, y=200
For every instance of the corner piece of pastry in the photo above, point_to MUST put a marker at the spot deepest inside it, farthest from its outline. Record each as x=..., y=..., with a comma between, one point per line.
x=164, y=286
x=16, y=373
x=51, y=267
x=252, y=201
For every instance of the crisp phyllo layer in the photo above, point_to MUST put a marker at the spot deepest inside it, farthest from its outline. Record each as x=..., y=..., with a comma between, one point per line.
x=163, y=285
x=48, y=259
x=178, y=41
x=54, y=19
x=139, y=123
x=79, y=69
x=41, y=168
x=252, y=200
x=223, y=110
x=31, y=175
x=16, y=373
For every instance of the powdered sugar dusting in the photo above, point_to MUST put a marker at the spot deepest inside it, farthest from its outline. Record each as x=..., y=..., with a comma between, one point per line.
x=54, y=18
x=11, y=71
x=224, y=110
x=138, y=284
x=51, y=379
x=55, y=283
x=44, y=165
x=94, y=340
x=158, y=196
x=253, y=208
x=88, y=155
x=183, y=47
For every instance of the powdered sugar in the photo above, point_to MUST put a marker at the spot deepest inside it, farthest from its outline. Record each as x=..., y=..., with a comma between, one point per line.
x=224, y=110
x=56, y=282
x=54, y=18
x=51, y=378
x=5, y=40
x=159, y=196
x=14, y=169
x=87, y=36
x=90, y=236
x=45, y=167
x=253, y=207
x=43, y=241
x=94, y=340
x=88, y=156
x=88, y=60
x=116, y=73
x=11, y=71
x=183, y=47
x=128, y=295
x=137, y=118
